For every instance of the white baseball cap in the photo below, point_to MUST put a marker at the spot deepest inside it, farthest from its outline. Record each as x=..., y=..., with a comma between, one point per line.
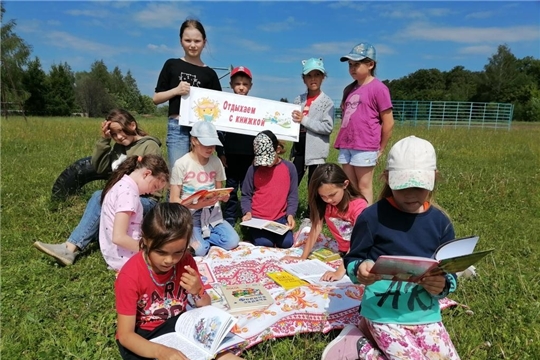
x=411, y=163
x=206, y=133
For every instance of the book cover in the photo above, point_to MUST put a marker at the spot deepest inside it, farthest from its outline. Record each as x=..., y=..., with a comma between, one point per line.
x=194, y=198
x=207, y=276
x=324, y=254
x=286, y=280
x=199, y=332
x=269, y=225
x=246, y=297
x=454, y=256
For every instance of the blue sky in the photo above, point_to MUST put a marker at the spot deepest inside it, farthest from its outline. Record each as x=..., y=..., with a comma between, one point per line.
x=272, y=38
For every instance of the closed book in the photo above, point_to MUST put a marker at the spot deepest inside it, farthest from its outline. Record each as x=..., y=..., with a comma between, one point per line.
x=246, y=297
x=286, y=280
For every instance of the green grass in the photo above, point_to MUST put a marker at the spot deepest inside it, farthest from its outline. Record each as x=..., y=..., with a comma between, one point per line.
x=489, y=187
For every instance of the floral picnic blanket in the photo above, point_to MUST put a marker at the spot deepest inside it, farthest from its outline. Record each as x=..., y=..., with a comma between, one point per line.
x=309, y=308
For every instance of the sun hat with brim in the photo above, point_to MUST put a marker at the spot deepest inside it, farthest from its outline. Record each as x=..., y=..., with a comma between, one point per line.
x=361, y=52
x=263, y=147
x=312, y=64
x=206, y=133
x=411, y=163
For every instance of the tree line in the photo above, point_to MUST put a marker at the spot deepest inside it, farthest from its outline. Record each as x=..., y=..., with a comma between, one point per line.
x=61, y=92
x=504, y=79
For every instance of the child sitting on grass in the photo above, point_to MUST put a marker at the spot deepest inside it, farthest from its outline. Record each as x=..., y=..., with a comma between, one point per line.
x=153, y=287
x=121, y=208
x=270, y=192
x=198, y=170
x=403, y=319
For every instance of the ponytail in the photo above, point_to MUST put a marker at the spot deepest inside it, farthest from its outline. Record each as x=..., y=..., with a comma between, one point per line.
x=155, y=163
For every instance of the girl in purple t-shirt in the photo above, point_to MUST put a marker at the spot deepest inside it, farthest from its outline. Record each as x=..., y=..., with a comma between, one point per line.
x=367, y=119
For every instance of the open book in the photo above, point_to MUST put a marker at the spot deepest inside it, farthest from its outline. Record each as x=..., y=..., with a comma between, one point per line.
x=199, y=332
x=206, y=194
x=269, y=225
x=312, y=270
x=454, y=256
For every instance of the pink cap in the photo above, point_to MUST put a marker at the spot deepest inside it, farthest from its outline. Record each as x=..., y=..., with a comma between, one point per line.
x=241, y=69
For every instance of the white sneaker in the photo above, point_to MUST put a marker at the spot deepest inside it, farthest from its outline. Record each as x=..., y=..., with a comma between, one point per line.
x=344, y=346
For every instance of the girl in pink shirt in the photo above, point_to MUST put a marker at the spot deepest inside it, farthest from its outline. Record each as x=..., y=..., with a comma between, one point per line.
x=367, y=119
x=335, y=199
x=121, y=208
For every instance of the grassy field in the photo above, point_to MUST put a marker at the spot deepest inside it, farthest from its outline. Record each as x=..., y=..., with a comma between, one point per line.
x=489, y=187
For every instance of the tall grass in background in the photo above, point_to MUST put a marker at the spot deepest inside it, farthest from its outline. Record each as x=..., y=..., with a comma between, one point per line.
x=489, y=186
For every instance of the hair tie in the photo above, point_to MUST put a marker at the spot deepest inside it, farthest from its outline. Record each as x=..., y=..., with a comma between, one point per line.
x=139, y=158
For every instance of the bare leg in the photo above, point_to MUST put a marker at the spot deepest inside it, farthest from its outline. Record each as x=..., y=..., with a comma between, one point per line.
x=349, y=171
x=364, y=181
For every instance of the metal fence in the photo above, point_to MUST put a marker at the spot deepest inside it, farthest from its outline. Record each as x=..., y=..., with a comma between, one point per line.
x=450, y=113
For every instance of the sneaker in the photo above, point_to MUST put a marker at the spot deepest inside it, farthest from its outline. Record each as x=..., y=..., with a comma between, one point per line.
x=345, y=345
x=58, y=251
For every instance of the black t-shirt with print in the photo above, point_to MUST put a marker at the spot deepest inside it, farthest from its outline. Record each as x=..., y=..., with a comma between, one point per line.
x=176, y=70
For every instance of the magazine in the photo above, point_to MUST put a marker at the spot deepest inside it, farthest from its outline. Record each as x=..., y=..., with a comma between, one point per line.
x=269, y=225
x=454, y=256
x=199, y=332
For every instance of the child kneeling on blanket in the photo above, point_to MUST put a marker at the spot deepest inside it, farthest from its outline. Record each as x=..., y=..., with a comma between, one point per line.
x=406, y=323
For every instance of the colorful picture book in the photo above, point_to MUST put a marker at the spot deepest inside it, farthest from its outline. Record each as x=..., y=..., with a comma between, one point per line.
x=454, y=256
x=286, y=280
x=312, y=271
x=206, y=194
x=200, y=332
x=207, y=276
x=246, y=297
x=324, y=254
x=269, y=225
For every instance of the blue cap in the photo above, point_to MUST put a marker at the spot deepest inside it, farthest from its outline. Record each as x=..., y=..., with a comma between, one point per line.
x=360, y=52
x=313, y=64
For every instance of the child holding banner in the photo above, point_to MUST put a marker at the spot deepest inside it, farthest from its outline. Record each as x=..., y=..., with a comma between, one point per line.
x=270, y=192
x=316, y=120
x=237, y=151
x=175, y=80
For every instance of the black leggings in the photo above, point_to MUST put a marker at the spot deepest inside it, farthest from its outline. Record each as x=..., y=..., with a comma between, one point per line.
x=165, y=328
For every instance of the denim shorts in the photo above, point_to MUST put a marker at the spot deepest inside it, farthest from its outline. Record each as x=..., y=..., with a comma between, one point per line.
x=358, y=157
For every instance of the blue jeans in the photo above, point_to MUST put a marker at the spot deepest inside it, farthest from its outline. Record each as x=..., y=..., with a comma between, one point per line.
x=88, y=228
x=269, y=239
x=177, y=141
x=222, y=235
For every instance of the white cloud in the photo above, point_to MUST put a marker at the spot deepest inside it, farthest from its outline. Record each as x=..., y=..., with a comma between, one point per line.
x=65, y=40
x=405, y=11
x=355, y=5
x=286, y=24
x=100, y=13
x=250, y=45
x=54, y=23
x=477, y=50
x=163, y=15
x=479, y=15
x=421, y=31
x=160, y=48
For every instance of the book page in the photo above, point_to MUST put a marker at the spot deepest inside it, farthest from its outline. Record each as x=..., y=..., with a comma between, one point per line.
x=175, y=341
x=254, y=222
x=457, y=247
x=276, y=227
x=217, y=192
x=460, y=263
x=205, y=326
x=312, y=270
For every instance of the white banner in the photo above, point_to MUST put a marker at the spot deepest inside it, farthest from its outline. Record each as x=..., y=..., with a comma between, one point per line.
x=239, y=113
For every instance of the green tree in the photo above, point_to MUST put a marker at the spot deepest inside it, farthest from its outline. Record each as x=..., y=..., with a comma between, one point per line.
x=460, y=84
x=14, y=57
x=61, y=97
x=118, y=88
x=133, y=95
x=91, y=96
x=35, y=83
x=147, y=105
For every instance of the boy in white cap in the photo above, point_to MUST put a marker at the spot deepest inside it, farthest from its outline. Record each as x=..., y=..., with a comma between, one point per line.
x=270, y=192
x=399, y=317
x=198, y=170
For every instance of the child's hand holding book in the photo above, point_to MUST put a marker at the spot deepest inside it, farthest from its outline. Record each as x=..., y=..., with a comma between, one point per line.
x=364, y=275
